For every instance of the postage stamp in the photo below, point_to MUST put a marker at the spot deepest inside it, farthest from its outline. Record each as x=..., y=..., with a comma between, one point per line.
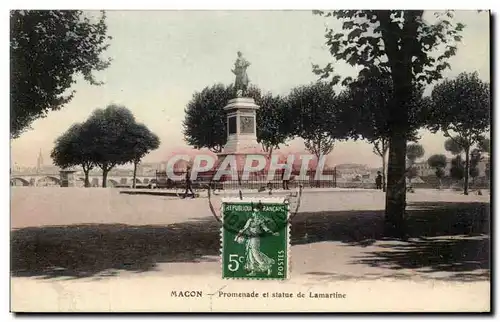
x=255, y=238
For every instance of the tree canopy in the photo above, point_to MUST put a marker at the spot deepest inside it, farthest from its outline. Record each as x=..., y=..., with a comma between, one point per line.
x=117, y=139
x=74, y=148
x=461, y=107
x=205, y=122
x=48, y=49
x=414, y=152
x=409, y=50
x=315, y=112
x=437, y=161
x=272, y=128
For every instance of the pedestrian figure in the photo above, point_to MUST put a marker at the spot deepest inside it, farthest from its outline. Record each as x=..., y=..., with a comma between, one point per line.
x=378, y=180
x=285, y=179
x=188, y=184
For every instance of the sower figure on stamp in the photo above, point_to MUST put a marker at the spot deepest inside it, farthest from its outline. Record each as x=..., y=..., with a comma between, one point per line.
x=188, y=184
x=255, y=260
x=240, y=70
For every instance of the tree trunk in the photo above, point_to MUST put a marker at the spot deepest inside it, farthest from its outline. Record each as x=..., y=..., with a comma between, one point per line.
x=104, y=178
x=440, y=185
x=383, y=173
x=86, y=182
x=466, y=175
x=399, y=46
x=270, y=152
x=135, y=174
x=395, y=203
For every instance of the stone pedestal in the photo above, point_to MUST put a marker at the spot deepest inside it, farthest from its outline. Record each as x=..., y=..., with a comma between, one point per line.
x=241, y=126
x=241, y=131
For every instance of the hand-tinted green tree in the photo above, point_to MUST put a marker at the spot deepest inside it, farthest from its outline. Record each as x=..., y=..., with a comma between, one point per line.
x=438, y=162
x=272, y=128
x=315, y=114
x=140, y=141
x=74, y=148
x=406, y=47
x=205, y=122
x=367, y=107
x=114, y=138
x=461, y=109
x=48, y=49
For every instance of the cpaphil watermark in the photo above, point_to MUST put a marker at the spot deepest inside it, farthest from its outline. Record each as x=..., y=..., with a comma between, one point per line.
x=242, y=167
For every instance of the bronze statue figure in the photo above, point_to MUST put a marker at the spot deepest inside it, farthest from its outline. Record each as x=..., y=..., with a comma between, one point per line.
x=240, y=70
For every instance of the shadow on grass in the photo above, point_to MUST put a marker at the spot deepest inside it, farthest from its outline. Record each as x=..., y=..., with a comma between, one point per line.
x=449, y=238
x=99, y=249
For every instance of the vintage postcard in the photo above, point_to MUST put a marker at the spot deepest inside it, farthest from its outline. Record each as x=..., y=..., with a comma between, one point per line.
x=250, y=161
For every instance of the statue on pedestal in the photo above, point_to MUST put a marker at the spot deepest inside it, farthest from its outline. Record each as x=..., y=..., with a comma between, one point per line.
x=240, y=70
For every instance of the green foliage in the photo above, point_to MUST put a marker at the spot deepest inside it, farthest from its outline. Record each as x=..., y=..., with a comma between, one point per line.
x=484, y=145
x=139, y=141
x=48, y=48
x=316, y=117
x=73, y=148
x=367, y=102
x=440, y=173
x=475, y=158
x=461, y=105
x=437, y=161
x=109, y=137
x=454, y=145
x=457, y=170
x=205, y=123
x=117, y=138
x=412, y=172
x=385, y=40
x=272, y=126
x=400, y=45
x=414, y=152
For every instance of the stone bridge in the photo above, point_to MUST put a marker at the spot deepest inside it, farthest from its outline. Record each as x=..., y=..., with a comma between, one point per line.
x=41, y=180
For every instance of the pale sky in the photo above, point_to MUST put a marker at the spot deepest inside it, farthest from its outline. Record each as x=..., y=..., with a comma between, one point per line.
x=160, y=58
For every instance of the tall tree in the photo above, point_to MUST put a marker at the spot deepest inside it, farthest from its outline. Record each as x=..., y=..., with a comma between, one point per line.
x=367, y=107
x=461, y=109
x=402, y=45
x=74, y=148
x=140, y=141
x=111, y=137
x=315, y=112
x=48, y=48
x=438, y=162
